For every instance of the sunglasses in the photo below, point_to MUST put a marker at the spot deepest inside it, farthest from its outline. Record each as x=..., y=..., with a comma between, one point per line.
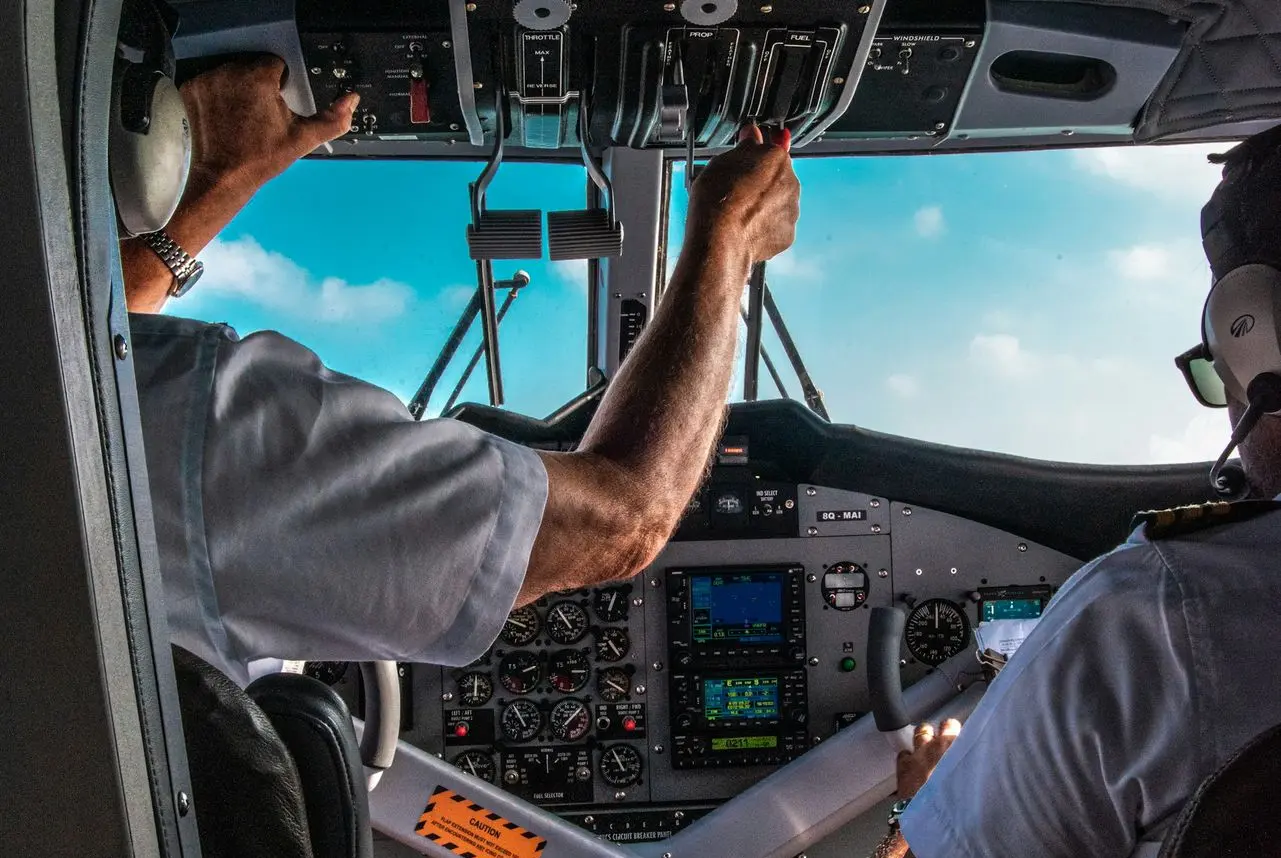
x=1198, y=371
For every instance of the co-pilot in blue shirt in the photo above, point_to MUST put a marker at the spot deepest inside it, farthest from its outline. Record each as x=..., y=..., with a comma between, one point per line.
x=302, y=514
x=1151, y=666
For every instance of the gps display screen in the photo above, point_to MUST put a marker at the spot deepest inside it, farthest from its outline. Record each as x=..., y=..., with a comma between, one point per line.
x=745, y=608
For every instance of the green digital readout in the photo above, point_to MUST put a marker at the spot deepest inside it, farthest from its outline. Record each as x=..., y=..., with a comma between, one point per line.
x=1011, y=609
x=743, y=743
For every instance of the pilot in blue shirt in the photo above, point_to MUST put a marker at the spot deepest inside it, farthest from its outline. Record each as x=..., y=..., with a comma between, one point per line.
x=1154, y=663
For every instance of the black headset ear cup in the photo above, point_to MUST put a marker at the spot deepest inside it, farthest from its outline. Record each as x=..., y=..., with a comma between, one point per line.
x=149, y=147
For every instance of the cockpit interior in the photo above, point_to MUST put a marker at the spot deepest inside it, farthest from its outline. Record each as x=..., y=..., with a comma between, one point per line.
x=828, y=585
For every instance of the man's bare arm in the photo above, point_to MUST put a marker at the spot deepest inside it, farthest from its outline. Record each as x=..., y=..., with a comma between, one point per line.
x=613, y=503
x=243, y=135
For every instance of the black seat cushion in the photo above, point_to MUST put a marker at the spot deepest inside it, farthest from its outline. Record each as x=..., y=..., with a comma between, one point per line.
x=245, y=786
x=1234, y=812
x=314, y=723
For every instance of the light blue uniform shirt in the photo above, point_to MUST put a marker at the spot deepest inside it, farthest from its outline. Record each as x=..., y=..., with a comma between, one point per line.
x=1151, y=666
x=303, y=514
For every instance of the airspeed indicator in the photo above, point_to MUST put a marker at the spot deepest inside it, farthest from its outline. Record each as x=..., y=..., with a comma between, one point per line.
x=936, y=630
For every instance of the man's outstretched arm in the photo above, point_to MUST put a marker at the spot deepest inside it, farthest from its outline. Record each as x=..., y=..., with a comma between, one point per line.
x=613, y=503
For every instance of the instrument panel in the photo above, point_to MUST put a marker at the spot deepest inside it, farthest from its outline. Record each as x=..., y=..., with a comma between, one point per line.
x=635, y=708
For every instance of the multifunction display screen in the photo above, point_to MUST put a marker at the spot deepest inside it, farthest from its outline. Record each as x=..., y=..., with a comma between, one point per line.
x=731, y=699
x=731, y=608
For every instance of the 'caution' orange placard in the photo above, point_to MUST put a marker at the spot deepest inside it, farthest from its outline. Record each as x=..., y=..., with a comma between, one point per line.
x=469, y=831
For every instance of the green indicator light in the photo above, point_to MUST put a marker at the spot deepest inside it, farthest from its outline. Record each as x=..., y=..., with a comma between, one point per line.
x=848, y=664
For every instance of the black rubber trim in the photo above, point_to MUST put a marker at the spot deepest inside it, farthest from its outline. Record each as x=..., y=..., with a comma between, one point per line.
x=1080, y=510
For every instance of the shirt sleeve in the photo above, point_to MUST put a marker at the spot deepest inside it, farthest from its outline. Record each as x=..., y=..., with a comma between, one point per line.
x=339, y=528
x=1083, y=734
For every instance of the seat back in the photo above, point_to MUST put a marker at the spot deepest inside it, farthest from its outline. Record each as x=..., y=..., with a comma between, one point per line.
x=1233, y=813
x=315, y=725
x=245, y=786
x=275, y=768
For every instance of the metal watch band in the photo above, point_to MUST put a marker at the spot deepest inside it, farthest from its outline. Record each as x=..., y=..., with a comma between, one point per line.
x=896, y=811
x=185, y=268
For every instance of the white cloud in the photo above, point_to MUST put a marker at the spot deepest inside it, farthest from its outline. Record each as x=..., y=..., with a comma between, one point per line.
x=1172, y=275
x=1174, y=172
x=928, y=221
x=244, y=270
x=791, y=265
x=1201, y=440
x=903, y=385
x=1142, y=262
x=571, y=272
x=1003, y=355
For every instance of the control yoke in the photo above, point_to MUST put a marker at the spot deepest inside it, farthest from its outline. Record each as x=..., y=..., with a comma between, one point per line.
x=884, y=682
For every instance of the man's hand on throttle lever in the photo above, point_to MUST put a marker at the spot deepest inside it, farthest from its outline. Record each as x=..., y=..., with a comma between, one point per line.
x=750, y=191
x=913, y=769
x=242, y=136
x=613, y=503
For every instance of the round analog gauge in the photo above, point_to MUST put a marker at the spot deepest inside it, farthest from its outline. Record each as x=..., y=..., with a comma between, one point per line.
x=521, y=721
x=610, y=604
x=478, y=764
x=328, y=672
x=568, y=670
x=612, y=684
x=571, y=720
x=566, y=623
x=936, y=630
x=519, y=672
x=522, y=626
x=620, y=765
x=612, y=644
x=474, y=689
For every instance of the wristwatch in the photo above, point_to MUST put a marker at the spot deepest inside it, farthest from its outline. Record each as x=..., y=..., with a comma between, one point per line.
x=896, y=810
x=185, y=268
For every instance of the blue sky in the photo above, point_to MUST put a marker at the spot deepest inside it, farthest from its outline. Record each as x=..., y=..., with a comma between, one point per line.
x=1028, y=303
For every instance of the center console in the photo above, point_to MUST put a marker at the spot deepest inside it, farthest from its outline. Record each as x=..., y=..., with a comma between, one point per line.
x=737, y=686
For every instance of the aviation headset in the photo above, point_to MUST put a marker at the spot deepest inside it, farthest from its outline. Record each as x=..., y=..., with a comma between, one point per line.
x=1241, y=321
x=150, y=137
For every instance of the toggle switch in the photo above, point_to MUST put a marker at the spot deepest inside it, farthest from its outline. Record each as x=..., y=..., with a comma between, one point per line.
x=419, y=107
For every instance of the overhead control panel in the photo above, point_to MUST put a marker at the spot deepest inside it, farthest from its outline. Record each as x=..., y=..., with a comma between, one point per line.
x=653, y=74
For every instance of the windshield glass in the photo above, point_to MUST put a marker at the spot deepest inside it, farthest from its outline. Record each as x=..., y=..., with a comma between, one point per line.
x=1028, y=303
x=366, y=264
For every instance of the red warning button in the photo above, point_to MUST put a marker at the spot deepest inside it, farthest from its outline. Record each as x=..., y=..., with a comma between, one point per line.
x=629, y=723
x=461, y=729
x=419, y=108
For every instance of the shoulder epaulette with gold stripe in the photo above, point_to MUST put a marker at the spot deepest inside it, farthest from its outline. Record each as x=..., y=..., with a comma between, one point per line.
x=1180, y=520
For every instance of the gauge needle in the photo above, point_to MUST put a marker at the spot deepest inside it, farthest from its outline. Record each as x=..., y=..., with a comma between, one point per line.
x=523, y=722
x=472, y=765
x=475, y=686
x=560, y=615
x=613, y=646
x=613, y=597
x=622, y=689
x=617, y=760
x=936, y=616
x=517, y=623
x=533, y=668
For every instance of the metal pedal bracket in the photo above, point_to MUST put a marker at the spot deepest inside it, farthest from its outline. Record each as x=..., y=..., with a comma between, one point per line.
x=501, y=233
x=593, y=233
